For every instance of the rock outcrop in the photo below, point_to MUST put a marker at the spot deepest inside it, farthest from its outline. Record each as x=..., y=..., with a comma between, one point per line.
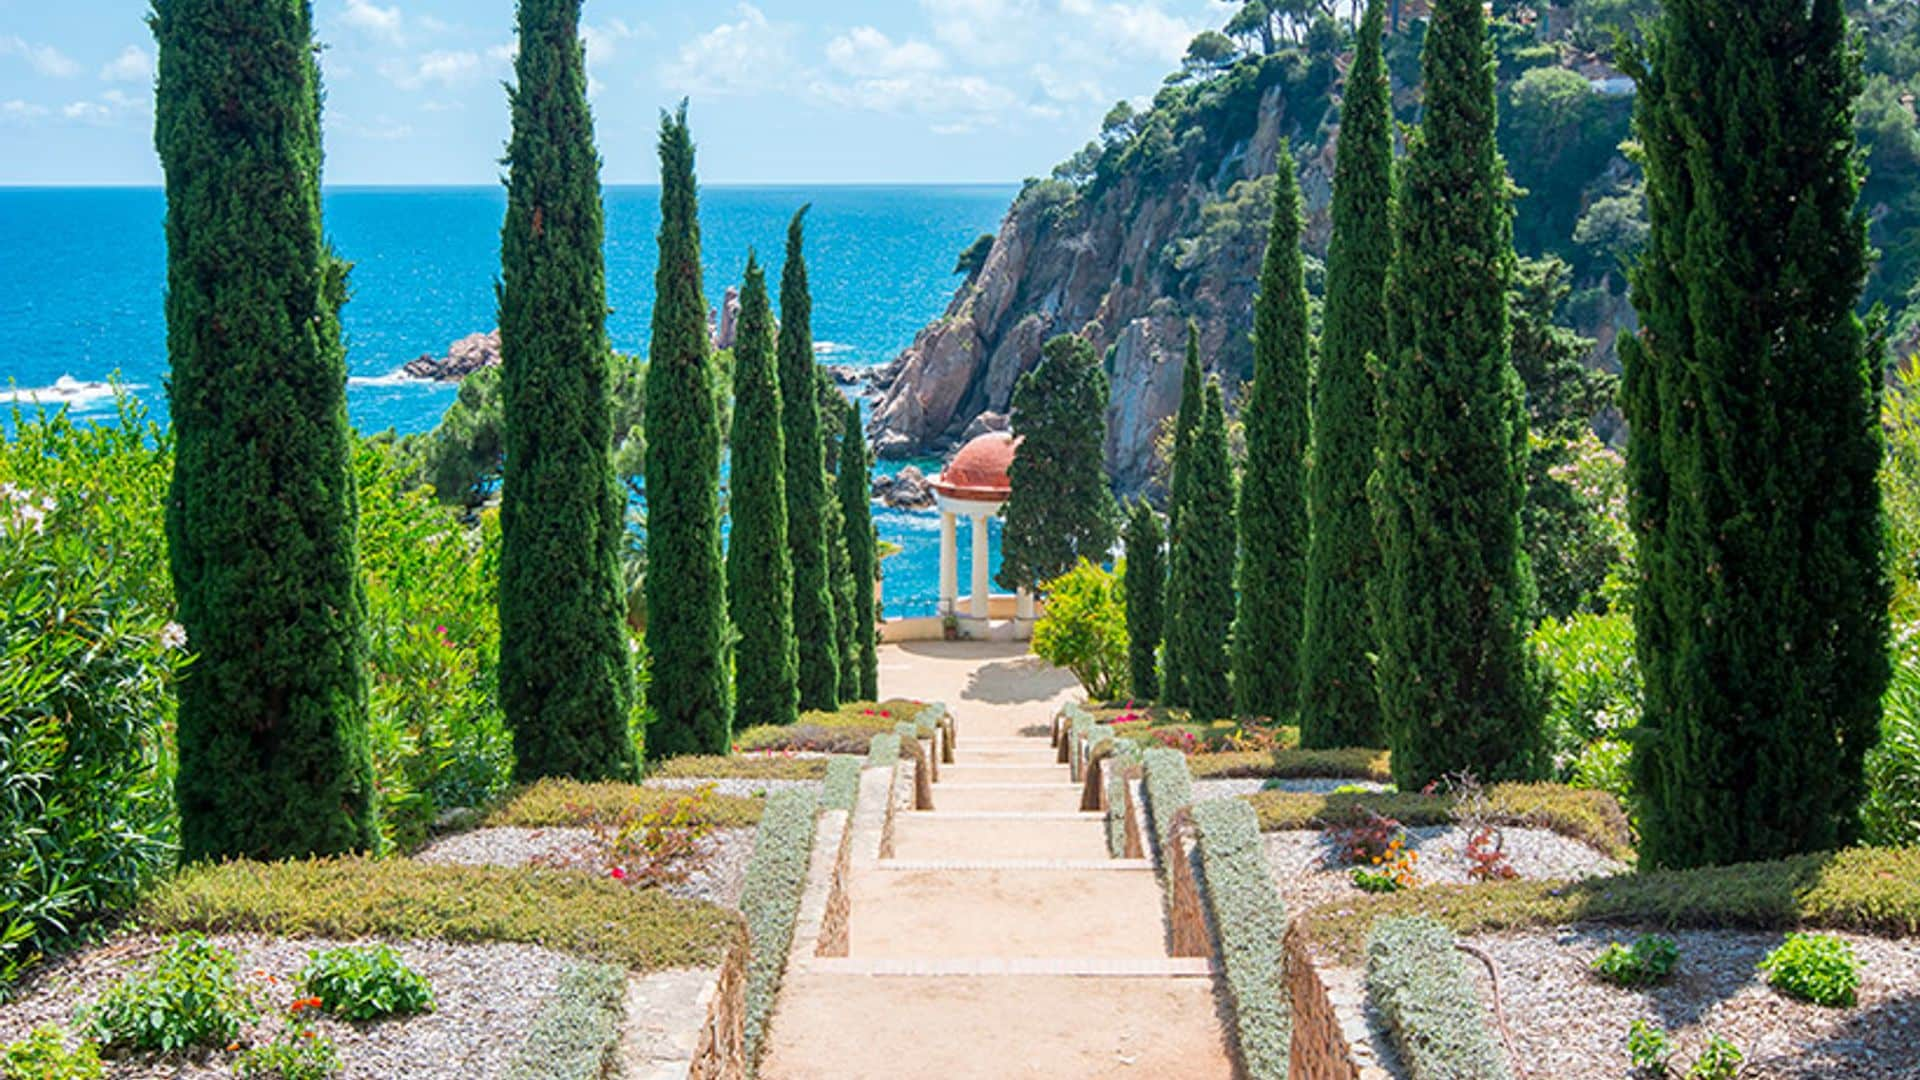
x=907, y=489
x=463, y=358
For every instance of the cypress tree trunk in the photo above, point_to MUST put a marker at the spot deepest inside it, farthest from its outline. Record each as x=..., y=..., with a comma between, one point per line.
x=1457, y=690
x=1203, y=551
x=1173, y=683
x=759, y=573
x=261, y=532
x=686, y=586
x=856, y=512
x=565, y=663
x=1146, y=583
x=1753, y=394
x=1273, y=508
x=807, y=535
x=1339, y=705
x=1061, y=508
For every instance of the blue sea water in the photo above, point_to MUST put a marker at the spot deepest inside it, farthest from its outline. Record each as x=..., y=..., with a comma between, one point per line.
x=83, y=272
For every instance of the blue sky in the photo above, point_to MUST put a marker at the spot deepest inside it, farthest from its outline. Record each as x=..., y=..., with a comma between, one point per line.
x=783, y=90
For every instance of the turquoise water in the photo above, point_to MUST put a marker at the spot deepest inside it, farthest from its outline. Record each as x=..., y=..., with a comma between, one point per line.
x=82, y=275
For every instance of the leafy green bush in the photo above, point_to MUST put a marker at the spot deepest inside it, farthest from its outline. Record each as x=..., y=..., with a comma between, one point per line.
x=366, y=982
x=190, y=997
x=1594, y=679
x=1890, y=816
x=1718, y=1060
x=1249, y=921
x=1420, y=984
x=1813, y=967
x=1649, y=960
x=577, y=1031
x=1648, y=1049
x=1084, y=628
x=298, y=1052
x=770, y=900
x=43, y=1055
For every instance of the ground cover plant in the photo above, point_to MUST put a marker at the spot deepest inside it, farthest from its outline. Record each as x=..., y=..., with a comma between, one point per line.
x=1650, y=959
x=1248, y=921
x=189, y=997
x=577, y=1030
x=1651, y=1051
x=1420, y=984
x=571, y=803
x=760, y=765
x=1815, y=968
x=1592, y=817
x=365, y=982
x=1357, y=763
x=771, y=901
x=43, y=1055
x=845, y=730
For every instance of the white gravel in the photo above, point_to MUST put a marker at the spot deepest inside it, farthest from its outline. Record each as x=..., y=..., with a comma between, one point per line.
x=486, y=997
x=719, y=881
x=1313, y=785
x=1310, y=871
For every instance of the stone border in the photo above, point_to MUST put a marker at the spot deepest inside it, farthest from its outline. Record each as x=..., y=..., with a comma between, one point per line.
x=686, y=1025
x=1325, y=1032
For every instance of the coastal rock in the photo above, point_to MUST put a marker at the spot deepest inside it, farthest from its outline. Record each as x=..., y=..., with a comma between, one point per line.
x=907, y=489
x=984, y=424
x=728, y=328
x=463, y=358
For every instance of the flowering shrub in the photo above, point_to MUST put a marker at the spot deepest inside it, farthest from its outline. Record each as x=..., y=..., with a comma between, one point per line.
x=1177, y=739
x=1394, y=869
x=1367, y=841
x=298, y=1052
x=1594, y=699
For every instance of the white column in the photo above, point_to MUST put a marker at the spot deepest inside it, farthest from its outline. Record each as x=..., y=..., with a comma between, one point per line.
x=1025, y=613
x=949, y=564
x=981, y=585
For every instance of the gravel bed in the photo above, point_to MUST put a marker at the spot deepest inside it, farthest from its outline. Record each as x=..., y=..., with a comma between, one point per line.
x=1307, y=785
x=746, y=789
x=719, y=881
x=1311, y=872
x=1568, y=1024
x=487, y=996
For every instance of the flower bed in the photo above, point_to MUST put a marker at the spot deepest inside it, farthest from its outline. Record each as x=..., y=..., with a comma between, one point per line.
x=846, y=730
x=762, y=765
x=1293, y=764
x=1592, y=817
x=569, y=803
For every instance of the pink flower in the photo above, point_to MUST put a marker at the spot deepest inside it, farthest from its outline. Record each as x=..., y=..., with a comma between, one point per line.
x=617, y=873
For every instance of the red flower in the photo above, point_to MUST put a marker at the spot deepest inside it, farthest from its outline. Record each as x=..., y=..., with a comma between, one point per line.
x=618, y=873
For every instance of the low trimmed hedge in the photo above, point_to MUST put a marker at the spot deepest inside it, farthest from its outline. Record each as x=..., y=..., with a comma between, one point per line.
x=1169, y=790
x=1421, y=985
x=1116, y=813
x=739, y=767
x=842, y=788
x=1249, y=922
x=577, y=1031
x=884, y=751
x=352, y=898
x=1592, y=817
x=1357, y=763
x=770, y=900
x=843, y=730
x=1868, y=890
x=550, y=804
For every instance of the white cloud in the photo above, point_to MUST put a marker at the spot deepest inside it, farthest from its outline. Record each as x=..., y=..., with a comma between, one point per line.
x=383, y=128
x=386, y=24
x=1145, y=30
x=44, y=59
x=442, y=67
x=134, y=64
x=104, y=109
x=746, y=54
x=21, y=112
x=603, y=41
x=865, y=51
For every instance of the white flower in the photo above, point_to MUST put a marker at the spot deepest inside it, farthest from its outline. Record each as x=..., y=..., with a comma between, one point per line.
x=173, y=636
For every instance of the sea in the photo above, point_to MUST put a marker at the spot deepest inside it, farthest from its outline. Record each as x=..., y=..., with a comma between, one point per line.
x=83, y=273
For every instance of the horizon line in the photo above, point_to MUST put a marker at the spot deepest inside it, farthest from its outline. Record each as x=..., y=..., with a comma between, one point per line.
x=472, y=186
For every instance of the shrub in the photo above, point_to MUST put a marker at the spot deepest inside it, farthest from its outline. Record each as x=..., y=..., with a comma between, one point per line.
x=1593, y=679
x=1370, y=839
x=770, y=900
x=1649, y=960
x=1084, y=628
x=298, y=1052
x=577, y=1030
x=43, y=1055
x=845, y=730
x=1813, y=967
x=1422, y=987
x=1249, y=921
x=366, y=982
x=190, y=997
x=1648, y=1049
x=1890, y=816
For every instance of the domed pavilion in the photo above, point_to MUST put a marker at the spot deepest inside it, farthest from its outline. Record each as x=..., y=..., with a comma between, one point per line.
x=975, y=485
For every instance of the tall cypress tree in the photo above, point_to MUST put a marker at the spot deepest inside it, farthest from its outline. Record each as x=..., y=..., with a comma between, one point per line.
x=565, y=662
x=1457, y=690
x=261, y=532
x=1146, y=583
x=759, y=570
x=856, y=513
x=1273, y=508
x=1203, y=553
x=807, y=535
x=1061, y=508
x=1753, y=394
x=1173, y=681
x=1339, y=705
x=686, y=576
x=846, y=649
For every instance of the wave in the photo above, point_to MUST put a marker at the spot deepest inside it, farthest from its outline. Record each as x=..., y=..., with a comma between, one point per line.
x=396, y=377
x=80, y=395
x=832, y=348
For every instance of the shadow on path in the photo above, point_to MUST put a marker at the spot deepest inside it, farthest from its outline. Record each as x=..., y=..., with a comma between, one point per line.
x=1017, y=682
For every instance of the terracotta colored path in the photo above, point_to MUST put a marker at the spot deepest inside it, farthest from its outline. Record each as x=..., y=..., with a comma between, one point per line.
x=1001, y=940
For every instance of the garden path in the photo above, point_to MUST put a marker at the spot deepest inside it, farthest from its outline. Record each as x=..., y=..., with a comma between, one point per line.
x=1000, y=940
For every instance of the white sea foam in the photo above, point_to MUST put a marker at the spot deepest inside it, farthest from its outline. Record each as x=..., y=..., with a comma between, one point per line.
x=396, y=377
x=831, y=348
x=80, y=395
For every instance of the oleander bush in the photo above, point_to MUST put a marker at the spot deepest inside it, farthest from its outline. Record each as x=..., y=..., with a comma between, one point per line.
x=1890, y=816
x=558, y=802
x=1650, y=959
x=190, y=997
x=1593, y=700
x=1592, y=817
x=576, y=1034
x=1421, y=985
x=1818, y=968
x=842, y=788
x=43, y=1055
x=366, y=982
x=770, y=900
x=1248, y=922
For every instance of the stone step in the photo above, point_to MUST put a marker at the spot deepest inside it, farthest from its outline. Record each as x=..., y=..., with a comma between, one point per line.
x=1012, y=798
x=934, y=835
x=969, y=772
x=1005, y=912
x=1079, y=866
x=1081, y=967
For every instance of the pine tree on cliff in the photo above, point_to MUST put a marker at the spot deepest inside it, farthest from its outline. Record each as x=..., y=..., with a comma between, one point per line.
x=1061, y=508
x=566, y=679
x=1173, y=680
x=1457, y=688
x=1146, y=586
x=759, y=570
x=813, y=614
x=1203, y=553
x=855, y=471
x=1753, y=395
x=1339, y=704
x=1273, y=507
x=686, y=575
x=274, y=759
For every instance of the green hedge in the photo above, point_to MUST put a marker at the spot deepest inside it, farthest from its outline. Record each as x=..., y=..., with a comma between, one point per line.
x=577, y=1031
x=1421, y=985
x=1169, y=790
x=842, y=789
x=770, y=900
x=1248, y=923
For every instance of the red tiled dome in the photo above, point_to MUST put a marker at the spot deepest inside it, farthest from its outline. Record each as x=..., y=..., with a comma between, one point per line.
x=979, y=470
